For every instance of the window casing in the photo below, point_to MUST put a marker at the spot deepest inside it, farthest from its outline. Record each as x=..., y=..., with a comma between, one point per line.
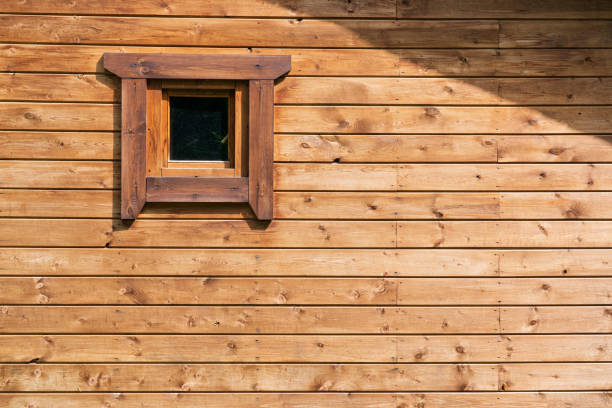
x=148, y=174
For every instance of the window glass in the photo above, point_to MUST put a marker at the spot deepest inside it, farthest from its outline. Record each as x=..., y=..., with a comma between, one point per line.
x=198, y=128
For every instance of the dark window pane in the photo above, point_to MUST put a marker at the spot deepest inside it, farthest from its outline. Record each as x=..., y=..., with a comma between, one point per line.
x=198, y=128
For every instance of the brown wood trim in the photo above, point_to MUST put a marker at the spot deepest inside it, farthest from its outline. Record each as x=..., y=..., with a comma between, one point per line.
x=193, y=66
x=195, y=189
x=261, y=147
x=133, y=146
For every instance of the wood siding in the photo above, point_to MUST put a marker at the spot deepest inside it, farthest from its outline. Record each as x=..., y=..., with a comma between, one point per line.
x=442, y=232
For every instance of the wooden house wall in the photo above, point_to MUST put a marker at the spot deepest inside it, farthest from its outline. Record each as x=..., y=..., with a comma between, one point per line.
x=443, y=178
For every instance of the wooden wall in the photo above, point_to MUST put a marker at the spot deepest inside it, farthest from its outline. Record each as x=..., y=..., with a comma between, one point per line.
x=443, y=212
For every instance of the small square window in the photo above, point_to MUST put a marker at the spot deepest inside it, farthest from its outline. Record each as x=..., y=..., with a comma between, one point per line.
x=199, y=128
x=203, y=131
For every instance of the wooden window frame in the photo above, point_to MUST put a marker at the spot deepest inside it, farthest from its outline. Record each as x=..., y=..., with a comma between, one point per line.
x=142, y=80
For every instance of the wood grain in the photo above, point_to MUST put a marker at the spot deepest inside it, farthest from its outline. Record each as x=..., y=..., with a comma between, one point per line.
x=133, y=147
x=276, y=262
x=259, y=377
x=221, y=32
x=304, y=348
x=306, y=291
x=358, y=119
x=59, y=145
x=56, y=116
x=503, y=234
x=559, y=319
x=261, y=148
x=194, y=189
x=54, y=232
x=216, y=8
x=296, y=400
x=286, y=234
x=255, y=320
x=58, y=174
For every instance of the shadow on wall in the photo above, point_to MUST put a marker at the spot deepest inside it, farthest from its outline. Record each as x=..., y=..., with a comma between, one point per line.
x=490, y=52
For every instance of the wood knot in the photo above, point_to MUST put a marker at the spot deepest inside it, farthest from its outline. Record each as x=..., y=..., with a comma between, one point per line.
x=432, y=112
x=460, y=349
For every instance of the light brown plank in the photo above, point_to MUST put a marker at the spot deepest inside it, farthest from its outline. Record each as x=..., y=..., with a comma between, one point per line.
x=517, y=291
x=55, y=116
x=335, y=177
x=431, y=119
x=442, y=177
x=569, y=262
x=523, y=9
x=223, y=32
x=58, y=203
x=555, y=34
x=517, y=234
x=59, y=87
x=54, y=232
x=59, y=145
x=58, y=174
x=338, y=90
x=215, y=8
x=248, y=320
x=384, y=148
x=556, y=376
x=396, y=119
x=504, y=177
x=556, y=319
x=306, y=291
x=201, y=291
x=184, y=233
x=386, y=205
x=248, y=262
x=249, y=377
x=88, y=59
x=442, y=91
x=558, y=148
x=589, y=205
x=303, y=348
x=506, y=62
x=296, y=400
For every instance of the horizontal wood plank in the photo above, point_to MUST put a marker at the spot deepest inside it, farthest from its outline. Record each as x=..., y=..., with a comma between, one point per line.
x=441, y=91
x=249, y=377
x=247, y=320
x=297, y=400
x=195, y=189
x=523, y=9
x=199, y=291
x=359, y=119
x=214, y=8
x=58, y=174
x=306, y=291
x=54, y=232
x=336, y=205
x=223, y=32
x=88, y=59
x=442, y=177
x=384, y=148
x=558, y=148
x=59, y=145
x=569, y=262
x=59, y=87
x=559, y=319
x=304, y=348
x=59, y=203
x=506, y=62
x=54, y=116
x=250, y=233
x=555, y=376
x=339, y=90
x=262, y=262
x=508, y=234
x=555, y=34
